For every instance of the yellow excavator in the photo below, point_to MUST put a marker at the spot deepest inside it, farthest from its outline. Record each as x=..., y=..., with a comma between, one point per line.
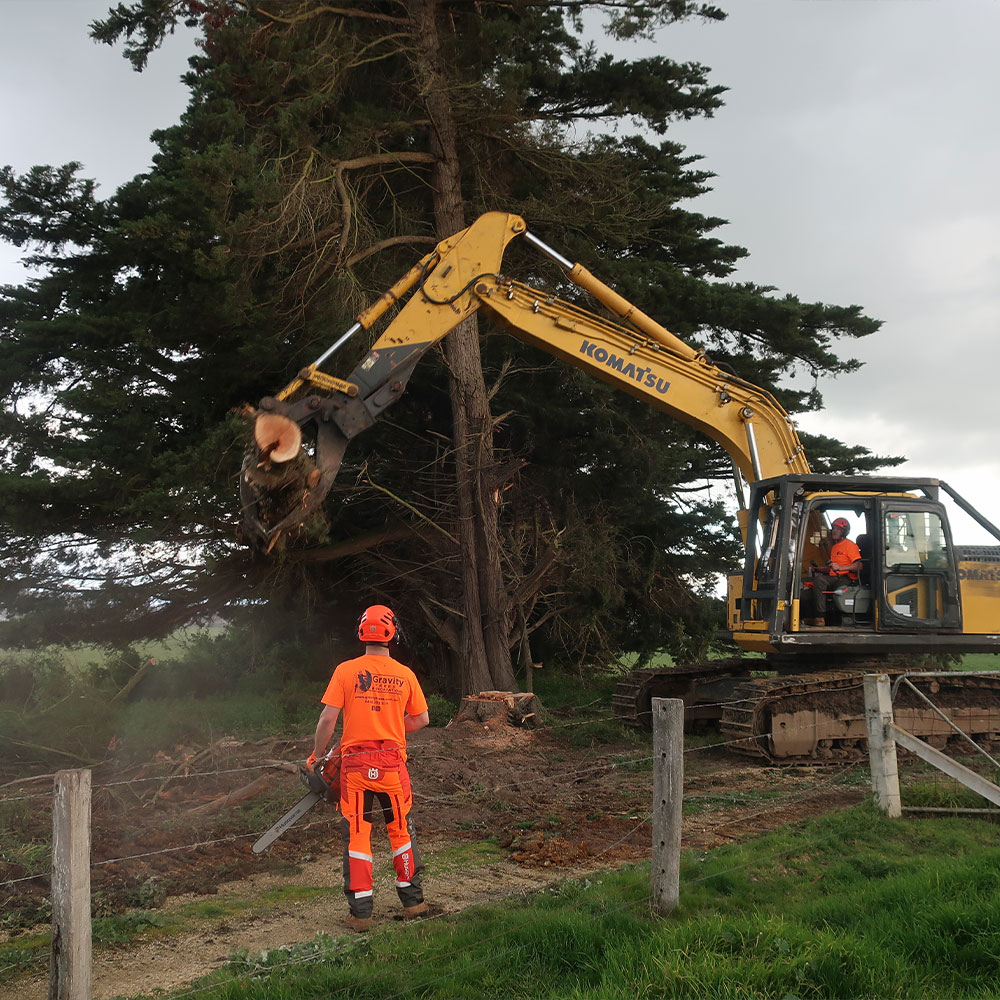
x=794, y=694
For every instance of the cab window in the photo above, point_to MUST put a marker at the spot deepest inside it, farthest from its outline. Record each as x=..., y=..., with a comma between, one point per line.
x=918, y=587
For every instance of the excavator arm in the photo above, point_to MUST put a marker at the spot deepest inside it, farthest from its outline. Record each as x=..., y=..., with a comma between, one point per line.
x=460, y=277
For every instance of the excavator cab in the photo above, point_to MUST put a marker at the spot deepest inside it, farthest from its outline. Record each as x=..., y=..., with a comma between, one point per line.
x=909, y=587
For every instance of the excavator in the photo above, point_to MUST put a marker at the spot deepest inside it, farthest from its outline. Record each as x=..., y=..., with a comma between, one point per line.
x=794, y=692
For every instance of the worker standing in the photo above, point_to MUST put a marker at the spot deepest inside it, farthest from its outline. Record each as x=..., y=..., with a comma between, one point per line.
x=382, y=701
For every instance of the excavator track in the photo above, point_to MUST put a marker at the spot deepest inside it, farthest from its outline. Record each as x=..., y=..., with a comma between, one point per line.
x=697, y=684
x=793, y=706
x=814, y=718
x=820, y=718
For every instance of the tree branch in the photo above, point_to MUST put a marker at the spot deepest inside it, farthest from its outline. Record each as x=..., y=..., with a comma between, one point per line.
x=312, y=12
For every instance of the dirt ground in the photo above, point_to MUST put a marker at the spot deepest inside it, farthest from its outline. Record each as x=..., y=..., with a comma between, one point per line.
x=551, y=804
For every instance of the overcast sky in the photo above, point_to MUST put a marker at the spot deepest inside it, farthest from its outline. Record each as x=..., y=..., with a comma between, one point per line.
x=857, y=159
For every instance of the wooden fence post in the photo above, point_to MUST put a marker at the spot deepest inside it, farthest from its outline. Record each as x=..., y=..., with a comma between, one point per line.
x=69, y=964
x=882, y=745
x=668, y=798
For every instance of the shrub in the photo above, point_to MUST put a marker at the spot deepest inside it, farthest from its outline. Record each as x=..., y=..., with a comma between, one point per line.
x=441, y=710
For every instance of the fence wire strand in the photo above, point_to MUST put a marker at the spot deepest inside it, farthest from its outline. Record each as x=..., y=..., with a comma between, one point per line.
x=627, y=760
x=624, y=761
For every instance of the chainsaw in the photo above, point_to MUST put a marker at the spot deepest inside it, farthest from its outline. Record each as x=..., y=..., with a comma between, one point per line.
x=323, y=782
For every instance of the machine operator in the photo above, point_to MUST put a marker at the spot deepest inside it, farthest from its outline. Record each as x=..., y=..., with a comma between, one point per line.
x=844, y=565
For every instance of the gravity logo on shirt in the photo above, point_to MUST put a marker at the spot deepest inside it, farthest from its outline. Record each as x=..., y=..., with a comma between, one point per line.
x=364, y=679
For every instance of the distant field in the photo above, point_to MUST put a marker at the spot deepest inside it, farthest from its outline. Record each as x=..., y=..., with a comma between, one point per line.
x=76, y=658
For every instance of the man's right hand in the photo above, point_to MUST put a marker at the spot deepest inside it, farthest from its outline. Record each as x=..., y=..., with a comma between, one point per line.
x=311, y=761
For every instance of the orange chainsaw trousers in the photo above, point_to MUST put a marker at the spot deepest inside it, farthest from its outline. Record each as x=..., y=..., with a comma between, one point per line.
x=360, y=791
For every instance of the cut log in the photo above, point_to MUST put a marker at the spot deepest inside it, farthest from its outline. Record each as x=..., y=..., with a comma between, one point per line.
x=495, y=709
x=278, y=438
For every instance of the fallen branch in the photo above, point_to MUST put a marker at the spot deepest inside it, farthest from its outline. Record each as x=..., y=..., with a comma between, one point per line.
x=62, y=753
x=282, y=765
x=134, y=681
x=255, y=787
x=24, y=781
x=184, y=765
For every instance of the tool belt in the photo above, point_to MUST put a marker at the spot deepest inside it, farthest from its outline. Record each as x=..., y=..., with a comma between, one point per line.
x=378, y=754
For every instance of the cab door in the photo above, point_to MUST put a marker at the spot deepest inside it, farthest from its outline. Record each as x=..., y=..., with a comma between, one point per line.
x=914, y=568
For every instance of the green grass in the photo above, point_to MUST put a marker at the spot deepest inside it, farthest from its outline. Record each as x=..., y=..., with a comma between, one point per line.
x=980, y=661
x=139, y=925
x=944, y=795
x=441, y=710
x=850, y=905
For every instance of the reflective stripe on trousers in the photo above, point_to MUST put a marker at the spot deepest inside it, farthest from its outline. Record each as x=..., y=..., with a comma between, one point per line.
x=359, y=795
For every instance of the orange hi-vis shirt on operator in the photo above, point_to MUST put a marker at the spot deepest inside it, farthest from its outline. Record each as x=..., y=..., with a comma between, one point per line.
x=845, y=552
x=374, y=693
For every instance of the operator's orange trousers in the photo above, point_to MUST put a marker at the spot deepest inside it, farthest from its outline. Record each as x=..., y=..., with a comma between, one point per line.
x=372, y=775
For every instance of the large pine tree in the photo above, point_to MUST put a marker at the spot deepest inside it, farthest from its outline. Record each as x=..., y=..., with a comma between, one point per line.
x=323, y=149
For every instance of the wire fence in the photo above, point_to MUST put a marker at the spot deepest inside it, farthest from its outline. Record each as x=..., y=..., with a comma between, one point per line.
x=572, y=774
x=553, y=727
x=337, y=948
x=550, y=728
x=626, y=761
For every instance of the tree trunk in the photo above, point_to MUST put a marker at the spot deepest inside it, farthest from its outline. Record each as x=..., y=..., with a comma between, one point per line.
x=485, y=627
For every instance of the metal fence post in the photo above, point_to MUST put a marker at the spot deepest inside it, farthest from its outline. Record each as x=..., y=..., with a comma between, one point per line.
x=668, y=799
x=882, y=745
x=69, y=964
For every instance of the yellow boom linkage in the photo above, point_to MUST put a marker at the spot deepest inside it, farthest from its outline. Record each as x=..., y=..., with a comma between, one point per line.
x=461, y=276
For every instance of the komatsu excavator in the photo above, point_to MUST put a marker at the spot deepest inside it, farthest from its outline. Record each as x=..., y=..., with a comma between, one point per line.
x=796, y=692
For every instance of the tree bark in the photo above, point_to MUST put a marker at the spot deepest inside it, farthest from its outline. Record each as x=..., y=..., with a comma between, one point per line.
x=484, y=647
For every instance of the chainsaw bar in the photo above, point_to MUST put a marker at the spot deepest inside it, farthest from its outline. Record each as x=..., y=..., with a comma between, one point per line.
x=292, y=816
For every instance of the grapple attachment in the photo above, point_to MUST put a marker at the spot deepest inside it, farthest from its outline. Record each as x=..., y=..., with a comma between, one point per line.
x=282, y=486
x=279, y=494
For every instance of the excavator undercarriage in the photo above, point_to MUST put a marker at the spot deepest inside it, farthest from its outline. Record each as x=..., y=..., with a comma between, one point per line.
x=809, y=718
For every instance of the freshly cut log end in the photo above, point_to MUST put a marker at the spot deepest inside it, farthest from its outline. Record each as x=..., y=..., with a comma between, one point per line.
x=278, y=438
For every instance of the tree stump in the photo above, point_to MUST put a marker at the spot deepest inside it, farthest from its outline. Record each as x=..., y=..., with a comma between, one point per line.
x=495, y=709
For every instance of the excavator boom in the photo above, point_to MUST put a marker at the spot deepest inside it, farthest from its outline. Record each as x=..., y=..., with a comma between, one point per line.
x=460, y=277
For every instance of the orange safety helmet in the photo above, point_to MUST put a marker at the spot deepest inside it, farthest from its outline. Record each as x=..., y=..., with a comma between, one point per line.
x=842, y=523
x=377, y=624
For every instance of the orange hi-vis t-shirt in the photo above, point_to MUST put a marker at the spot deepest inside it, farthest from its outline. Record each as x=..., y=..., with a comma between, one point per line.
x=845, y=552
x=374, y=692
